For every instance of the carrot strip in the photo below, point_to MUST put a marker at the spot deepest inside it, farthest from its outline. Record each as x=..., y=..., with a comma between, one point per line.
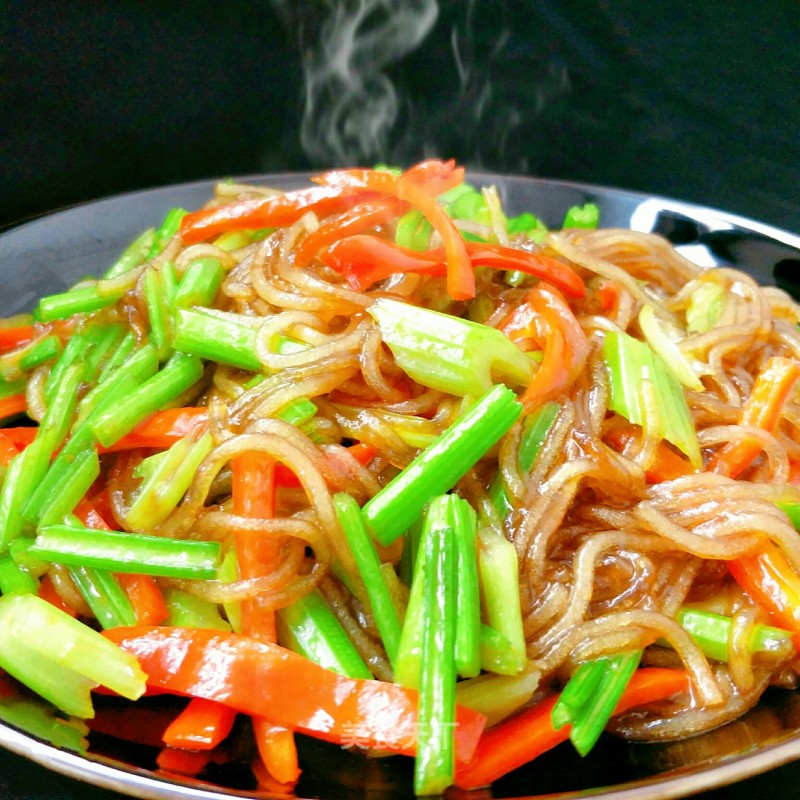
x=182, y=762
x=530, y=733
x=202, y=725
x=286, y=479
x=769, y=579
x=20, y=436
x=163, y=429
x=762, y=409
x=278, y=751
x=7, y=450
x=12, y=405
x=667, y=464
x=12, y=338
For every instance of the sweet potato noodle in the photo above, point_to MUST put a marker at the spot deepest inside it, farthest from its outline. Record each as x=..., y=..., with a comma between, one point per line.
x=608, y=551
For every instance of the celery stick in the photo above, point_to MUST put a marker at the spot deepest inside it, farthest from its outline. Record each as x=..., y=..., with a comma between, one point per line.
x=40, y=351
x=82, y=300
x=218, y=338
x=60, y=657
x=369, y=565
x=309, y=627
x=438, y=468
x=43, y=722
x=187, y=611
x=158, y=312
x=104, y=596
x=468, y=617
x=85, y=470
x=133, y=255
x=15, y=579
x=497, y=696
x=448, y=353
x=200, y=283
x=434, y=766
x=169, y=227
x=585, y=216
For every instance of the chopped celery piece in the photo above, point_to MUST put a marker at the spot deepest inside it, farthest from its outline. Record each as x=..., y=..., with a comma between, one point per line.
x=18, y=550
x=369, y=566
x=104, y=341
x=179, y=374
x=187, y=611
x=453, y=355
x=233, y=240
x=169, y=227
x=657, y=335
x=705, y=307
x=84, y=472
x=82, y=300
x=792, y=510
x=105, y=597
x=465, y=202
x=60, y=658
x=499, y=579
x=127, y=552
x=40, y=351
x=200, y=283
x=14, y=578
x=527, y=224
x=497, y=654
x=133, y=255
x=468, y=601
x=585, y=216
x=167, y=482
x=381, y=167
x=213, y=336
x=434, y=765
x=158, y=311
x=298, y=412
x=24, y=474
x=309, y=627
x=498, y=696
x=228, y=572
x=712, y=634
x=438, y=468
x=630, y=363
x=413, y=231
x=44, y=723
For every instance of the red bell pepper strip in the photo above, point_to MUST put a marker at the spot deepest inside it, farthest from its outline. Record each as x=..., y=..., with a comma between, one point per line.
x=357, y=219
x=20, y=436
x=267, y=212
x=163, y=429
x=7, y=450
x=762, y=409
x=12, y=405
x=202, y=725
x=187, y=763
x=769, y=579
x=565, y=347
x=12, y=338
x=409, y=187
x=266, y=680
x=523, y=737
x=365, y=260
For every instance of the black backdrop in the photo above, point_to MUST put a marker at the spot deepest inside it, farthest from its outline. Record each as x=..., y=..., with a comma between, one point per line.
x=698, y=100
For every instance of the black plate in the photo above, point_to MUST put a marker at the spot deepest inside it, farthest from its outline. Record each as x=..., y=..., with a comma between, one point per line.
x=49, y=254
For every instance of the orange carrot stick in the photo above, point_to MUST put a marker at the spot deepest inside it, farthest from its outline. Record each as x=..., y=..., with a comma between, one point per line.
x=12, y=338
x=202, y=725
x=762, y=409
x=12, y=405
x=667, y=464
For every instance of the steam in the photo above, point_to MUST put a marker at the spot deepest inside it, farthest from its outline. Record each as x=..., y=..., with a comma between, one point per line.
x=351, y=105
x=480, y=94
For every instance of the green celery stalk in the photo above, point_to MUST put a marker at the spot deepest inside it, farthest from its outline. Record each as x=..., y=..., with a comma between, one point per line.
x=434, y=765
x=439, y=467
x=629, y=363
x=499, y=579
x=61, y=409
x=448, y=353
x=497, y=696
x=85, y=470
x=578, y=691
x=712, y=633
x=369, y=565
x=81, y=300
x=527, y=224
x=158, y=311
x=169, y=227
x=60, y=658
x=705, y=307
x=179, y=374
x=40, y=351
x=44, y=723
x=133, y=255
x=225, y=339
x=75, y=352
x=166, y=484
x=497, y=654
x=200, y=283
x=187, y=611
x=585, y=216
x=298, y=411
x=413, y=231
x=468, y=601
x=228, y=572
x=104, y=339
x=594, y=715
x=409, y=651
x=18, y=550
x=127, y=552
x=792, y=510
x=118, y=357
x=233, y=240
x=24, y=474
x=309, y=627
x=656, y=334
x=14, y=578
x=104, y=596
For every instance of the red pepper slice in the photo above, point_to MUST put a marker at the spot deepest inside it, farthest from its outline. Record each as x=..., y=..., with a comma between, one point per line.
x=266, y=680
x=12, y=338
x=565, y=347
x=418, y=187
x=267, y=212
x=364, y=260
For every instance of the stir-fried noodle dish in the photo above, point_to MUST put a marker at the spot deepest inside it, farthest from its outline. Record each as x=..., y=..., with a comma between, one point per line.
x=377, y=463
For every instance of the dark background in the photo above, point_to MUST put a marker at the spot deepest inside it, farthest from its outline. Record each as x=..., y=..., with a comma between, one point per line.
x=690, y=99
x=696, y=100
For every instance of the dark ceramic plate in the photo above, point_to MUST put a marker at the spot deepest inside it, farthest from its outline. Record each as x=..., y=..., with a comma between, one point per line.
x=48, y=254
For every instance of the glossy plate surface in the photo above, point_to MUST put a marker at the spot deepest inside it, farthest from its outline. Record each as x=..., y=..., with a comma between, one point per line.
x=49, y=254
